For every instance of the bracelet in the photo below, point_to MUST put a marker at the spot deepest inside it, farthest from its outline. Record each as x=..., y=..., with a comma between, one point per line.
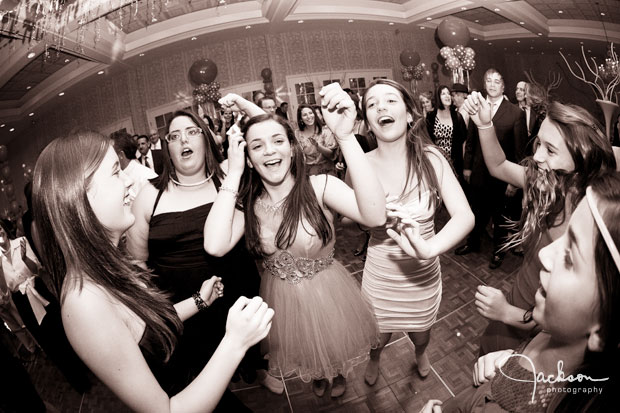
x=200, y=303
x=487, y=126
x=227, y=189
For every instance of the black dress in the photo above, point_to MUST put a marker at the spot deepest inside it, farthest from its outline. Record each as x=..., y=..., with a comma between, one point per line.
x=178, y=258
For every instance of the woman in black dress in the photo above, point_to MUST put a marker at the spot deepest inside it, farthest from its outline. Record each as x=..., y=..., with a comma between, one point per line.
x=168, y=237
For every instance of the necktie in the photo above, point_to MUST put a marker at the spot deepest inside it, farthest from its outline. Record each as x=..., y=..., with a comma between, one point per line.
x=145, y=161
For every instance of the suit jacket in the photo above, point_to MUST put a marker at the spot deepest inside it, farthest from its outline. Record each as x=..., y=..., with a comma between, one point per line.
x=459, y=134
x=158, y=161
x=511, y=131
x=533, y=127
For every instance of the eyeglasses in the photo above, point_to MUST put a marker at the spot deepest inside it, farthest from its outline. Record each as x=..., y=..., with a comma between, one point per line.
x=176, y=135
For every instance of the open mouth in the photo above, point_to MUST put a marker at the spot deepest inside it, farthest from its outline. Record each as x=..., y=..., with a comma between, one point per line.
x=273, y=163
x=186, y=152
x=385, y=120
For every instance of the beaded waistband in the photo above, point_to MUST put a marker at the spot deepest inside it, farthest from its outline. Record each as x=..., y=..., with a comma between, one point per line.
x=293, y=269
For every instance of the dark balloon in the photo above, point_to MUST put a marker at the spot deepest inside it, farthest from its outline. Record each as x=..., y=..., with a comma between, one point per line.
x=453, y=31
x=266, y=74
x=203, y=71
x=409, y=58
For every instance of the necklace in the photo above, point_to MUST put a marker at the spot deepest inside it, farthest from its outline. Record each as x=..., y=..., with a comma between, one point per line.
x=193, y=184
x=271, y=207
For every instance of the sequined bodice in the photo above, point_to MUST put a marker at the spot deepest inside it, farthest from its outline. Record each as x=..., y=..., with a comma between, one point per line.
x=293, y=269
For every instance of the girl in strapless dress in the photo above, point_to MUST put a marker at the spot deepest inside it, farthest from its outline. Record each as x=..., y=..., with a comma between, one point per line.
x=402, y=275
x=322, y=326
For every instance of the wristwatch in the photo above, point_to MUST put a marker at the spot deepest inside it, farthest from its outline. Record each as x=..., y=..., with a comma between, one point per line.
x=527, y=316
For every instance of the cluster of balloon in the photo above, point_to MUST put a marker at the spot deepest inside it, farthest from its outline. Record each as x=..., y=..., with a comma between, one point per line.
x=267, y=81
x=454, y=34
x=413, y=70
x=202, y=73
x=6, y=184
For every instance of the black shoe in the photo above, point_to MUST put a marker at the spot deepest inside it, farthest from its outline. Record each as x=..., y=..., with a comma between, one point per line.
x=465, y=249
x=496, y=261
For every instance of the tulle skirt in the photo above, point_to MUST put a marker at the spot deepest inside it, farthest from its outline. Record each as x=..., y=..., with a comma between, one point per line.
x=322, y=326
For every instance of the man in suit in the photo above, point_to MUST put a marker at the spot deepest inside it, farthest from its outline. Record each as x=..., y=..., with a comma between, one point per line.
x=147, y=157
x=532, y=120
x=487, y=195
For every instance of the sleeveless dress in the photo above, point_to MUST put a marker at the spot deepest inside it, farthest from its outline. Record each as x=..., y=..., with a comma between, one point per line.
x=322, y=326
x=405, y=292
x=180, y=265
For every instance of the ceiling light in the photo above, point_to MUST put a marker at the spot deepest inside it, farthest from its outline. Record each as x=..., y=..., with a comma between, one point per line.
x=31, y=114
x=602, y=14
x=550, y=41
x=521, y=23
x=31, y=55
x=518, y=41
x=517, y=52
x=3, y=125
x=67, y=60
x=100, y=72
x=422, y=27
x=475, y=39
x=28, y=87
x=560, y=11
x=141, y=54
x=391, y=23
x=463, y=8
x=11, y=130
x=61, y=94
x=351, y=20
x=540, y=34
x=589, y=51
x=429, y=18
x=193, y=38
x=496, y=9
x=531, y=47
x=542, y=52
x=248, y=27
x=490, y=43
x=300, y=21
x=580, y=42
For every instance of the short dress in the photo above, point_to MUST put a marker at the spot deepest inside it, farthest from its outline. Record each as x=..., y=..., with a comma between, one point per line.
x=405, y=292
x=322, y=325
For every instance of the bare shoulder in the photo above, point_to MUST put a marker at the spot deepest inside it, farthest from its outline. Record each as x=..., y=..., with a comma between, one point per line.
x=145, y=200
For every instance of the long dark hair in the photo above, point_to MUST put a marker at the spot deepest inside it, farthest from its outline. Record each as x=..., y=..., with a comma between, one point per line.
x=440, y=105
x=213, y=157
x=605, y=363
x=75, y=242
x=592, y=155
x=300, y=122
x=301, y=204
x=418, y=145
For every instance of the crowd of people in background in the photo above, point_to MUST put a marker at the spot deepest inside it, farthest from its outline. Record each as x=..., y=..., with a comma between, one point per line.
x=176, y=261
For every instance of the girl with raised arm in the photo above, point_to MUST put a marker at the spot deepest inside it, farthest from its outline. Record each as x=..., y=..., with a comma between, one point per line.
x=569, y=153
x=122, y=327
x=573, y=364
x=402, y=275
x=323, y=327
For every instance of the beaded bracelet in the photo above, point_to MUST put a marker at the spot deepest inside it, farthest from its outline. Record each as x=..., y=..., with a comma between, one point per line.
x=487, y=126
x=200, y=303
x=227, y=189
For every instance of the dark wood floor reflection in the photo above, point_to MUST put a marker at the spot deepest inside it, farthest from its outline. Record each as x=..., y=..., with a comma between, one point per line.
x=452, y=352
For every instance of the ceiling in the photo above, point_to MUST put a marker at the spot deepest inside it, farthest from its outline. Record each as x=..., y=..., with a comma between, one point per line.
x=45, y=52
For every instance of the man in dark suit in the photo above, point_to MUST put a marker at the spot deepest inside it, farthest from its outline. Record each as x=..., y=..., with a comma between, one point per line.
x=150, y=158
x=487, y=195
x=532, y=119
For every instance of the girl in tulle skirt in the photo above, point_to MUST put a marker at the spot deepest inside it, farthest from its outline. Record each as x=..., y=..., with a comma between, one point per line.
x=322, y=326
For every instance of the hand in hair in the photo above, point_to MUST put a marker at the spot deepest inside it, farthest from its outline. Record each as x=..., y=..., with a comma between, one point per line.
x=478, y=108
x=211, y=290
x=236, y=151
x=248, y=322
x=338, y=111
x=491, y=303
x=487, y=365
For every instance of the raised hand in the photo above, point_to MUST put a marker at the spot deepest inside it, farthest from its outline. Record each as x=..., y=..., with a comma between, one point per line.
x=249, y=321
x=232, y=101
x=211, y=289
x=491, y=303
x=338, y=111
x=236, y=150
x=487, y=365
x=478, y=108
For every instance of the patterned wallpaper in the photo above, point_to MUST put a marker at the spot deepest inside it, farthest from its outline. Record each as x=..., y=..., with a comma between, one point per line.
x=158, y=81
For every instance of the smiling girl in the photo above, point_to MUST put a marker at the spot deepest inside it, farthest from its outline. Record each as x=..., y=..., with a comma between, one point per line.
x=402, y=275
x=122, y=327
x=571, y=151
x=323, y=327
